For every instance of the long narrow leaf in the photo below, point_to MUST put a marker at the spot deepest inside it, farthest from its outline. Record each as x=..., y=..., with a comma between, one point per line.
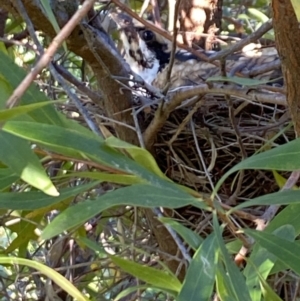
x=17, y=154
x=139, y=155
x=150, y=275
x=80, y=145
x=235, y=278
x=189, y=236
x=16, y=111
x=200, y=278
x=266, y=290
x=283, y=249
x=283, y=197
x=7, y=177
x=14, y=75
x=50, y=273
x=224, y=287
x=136, y=195
x=113, y=178
x=261, y=262
x=284, y=157
x=33, y=200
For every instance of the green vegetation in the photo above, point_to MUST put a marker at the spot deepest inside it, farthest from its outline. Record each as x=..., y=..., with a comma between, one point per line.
x=72, y=202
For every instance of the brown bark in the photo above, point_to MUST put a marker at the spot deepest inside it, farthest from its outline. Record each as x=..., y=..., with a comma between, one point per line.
x=3, y=18
x=287, y=35
x=198, y=17
x=116, y=101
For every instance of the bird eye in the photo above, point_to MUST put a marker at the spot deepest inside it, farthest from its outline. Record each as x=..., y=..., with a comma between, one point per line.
x=147, y=35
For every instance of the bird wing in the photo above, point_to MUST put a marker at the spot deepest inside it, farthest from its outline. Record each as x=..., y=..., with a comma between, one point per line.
x=194, y=72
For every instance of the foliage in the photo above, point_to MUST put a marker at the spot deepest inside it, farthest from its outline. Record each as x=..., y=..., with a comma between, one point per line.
x=59, y=180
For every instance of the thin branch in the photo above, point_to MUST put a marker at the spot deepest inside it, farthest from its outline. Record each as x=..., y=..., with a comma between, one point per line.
x=138, y=129
x=30, y=27
x=144, y=7
x=55, y=74
x=232, y=199
x=192, y=125
x=269, y=214
x=94, y=96
x=263, y=69
x=49, y=53
x=238, y=46
x=155, y=13
x=83, y=111
x=272, y=210
x=160, y=31
x=182, y=125
x=89, y=34
x=177, y=96
x=172, y=56
x=176, y=238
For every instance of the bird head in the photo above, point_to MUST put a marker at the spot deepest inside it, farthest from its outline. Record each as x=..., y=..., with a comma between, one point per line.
x=148, y=53
x=144, y=51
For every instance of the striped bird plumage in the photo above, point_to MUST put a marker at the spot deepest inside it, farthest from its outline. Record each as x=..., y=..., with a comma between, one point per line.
x=148, y=55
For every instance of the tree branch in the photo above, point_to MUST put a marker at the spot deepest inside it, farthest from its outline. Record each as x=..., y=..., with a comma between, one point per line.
x=177, y=96
x=287, y=36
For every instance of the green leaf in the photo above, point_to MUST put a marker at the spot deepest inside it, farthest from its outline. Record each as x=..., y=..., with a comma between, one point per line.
x=189, y=236
x=283, y=197
x=268, y=293
x=288, y=218
x=142, y=195
x=265, y=289
x=280, y=180
x=17, y=154
x=6, y=90
x=262, y=262
x=284, y=157
x=82, y=144
x=26, y=232
x=283, y=249
x=60, y=280
x=78, y=144
x=296, y=6
x=20, y=110
x=235, y=279
x=50, y=15
x=234, y=246
x=145, y=288
x=279, y=265
x=13, y=75
x=33, y=200
x=150, y=275
x=92, y=245
x=257, y=14
x=289, y=215
x=200, y=278
x=224, y=288
x=113, y=178
x=139, y=155
x=3, y=49
x=7, y=177
x=66, y=141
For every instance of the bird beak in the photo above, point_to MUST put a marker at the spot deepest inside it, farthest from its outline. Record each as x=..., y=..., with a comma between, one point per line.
x=127, y=30
x=130, y=38
x=122, y=21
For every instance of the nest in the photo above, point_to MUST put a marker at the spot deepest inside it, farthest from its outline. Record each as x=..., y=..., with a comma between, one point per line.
x=197, y=146
x=199, y=143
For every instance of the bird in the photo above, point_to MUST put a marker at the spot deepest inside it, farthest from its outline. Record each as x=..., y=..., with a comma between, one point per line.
x=148, y=55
